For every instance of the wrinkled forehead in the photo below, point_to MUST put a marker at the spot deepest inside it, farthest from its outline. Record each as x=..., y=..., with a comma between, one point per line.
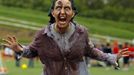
x=62, y=2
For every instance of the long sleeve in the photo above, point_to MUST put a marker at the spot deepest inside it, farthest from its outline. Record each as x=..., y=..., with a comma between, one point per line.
x=26, y=53
x=97, y=54
x=30, y=51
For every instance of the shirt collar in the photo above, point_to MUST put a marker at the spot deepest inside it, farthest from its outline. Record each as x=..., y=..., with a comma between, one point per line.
x=48, y=28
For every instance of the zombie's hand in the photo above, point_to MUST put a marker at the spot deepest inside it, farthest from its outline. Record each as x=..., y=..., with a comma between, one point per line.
x=12, y=43
x=123, y=53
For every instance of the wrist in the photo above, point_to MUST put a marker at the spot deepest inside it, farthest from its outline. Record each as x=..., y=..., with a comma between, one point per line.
x=21, y=49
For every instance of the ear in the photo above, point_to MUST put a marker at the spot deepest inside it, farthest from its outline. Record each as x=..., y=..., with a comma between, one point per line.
x=73, y=14
x=52, y=12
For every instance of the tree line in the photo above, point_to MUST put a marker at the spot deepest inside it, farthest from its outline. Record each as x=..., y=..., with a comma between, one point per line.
x=118, y=10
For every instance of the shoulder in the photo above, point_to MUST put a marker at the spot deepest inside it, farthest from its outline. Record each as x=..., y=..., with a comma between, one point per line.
x=40, y=33
x=81, y=29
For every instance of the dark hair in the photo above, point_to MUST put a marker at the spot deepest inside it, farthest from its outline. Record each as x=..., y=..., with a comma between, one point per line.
x=52, y=19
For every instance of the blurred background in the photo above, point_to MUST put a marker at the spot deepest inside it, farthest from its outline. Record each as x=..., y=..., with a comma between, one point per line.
x=110, y=23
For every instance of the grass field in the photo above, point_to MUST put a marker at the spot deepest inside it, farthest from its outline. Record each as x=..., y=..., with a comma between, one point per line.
x=95, y=26
x=13, y=70
x=103, y=71
x=37, y=70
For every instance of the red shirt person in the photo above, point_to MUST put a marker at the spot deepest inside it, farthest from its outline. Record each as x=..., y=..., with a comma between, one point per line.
x=131, y=49
x=115, y=47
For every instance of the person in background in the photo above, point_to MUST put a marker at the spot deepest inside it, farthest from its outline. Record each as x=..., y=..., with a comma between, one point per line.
x=120, y=48
x=31, y=63
x=8, y=52
x=131, y=49
x=17, y=60
x=107, y=49
x=115, y=50
x=126, y=58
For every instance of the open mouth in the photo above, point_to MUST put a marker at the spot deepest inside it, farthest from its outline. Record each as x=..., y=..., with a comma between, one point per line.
x=62, y=19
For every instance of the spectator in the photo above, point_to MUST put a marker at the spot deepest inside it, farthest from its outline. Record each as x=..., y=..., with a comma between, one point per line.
x=107, y=49
x=126, y=58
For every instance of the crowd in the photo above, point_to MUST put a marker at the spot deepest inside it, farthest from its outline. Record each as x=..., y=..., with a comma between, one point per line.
x=115, y=48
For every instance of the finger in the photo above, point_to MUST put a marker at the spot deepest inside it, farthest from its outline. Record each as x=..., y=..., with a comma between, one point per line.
x=124, y=49
x=125, y=55
x=20, y=45
x=14, y=38
x=7, y=41
x=126, y=52
x=7, y=45
x=10, y=38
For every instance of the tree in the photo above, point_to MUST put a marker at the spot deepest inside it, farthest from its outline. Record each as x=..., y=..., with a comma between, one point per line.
x=122, y=3
x=95, y=4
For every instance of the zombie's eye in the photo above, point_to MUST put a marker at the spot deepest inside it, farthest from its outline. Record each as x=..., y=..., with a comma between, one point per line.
x=58, y=7
x=67, y=8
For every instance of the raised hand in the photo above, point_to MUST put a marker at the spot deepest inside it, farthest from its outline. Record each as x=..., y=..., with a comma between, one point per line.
x=123, y=53
x=12, y=43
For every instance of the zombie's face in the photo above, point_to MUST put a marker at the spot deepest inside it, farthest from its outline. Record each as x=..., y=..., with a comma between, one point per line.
x=62, y=13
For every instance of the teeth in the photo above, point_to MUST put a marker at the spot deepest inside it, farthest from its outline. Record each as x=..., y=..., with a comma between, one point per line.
x=62, y=17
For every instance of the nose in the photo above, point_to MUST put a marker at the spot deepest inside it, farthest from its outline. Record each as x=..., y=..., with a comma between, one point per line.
x=62, y=11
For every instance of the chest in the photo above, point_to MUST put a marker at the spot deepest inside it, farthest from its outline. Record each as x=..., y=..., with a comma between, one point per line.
x=49, y=48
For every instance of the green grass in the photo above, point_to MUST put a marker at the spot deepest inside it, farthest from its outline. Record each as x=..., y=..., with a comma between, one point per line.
x=23, y=35
x=37, y=70
x=111, y=71
x=24, y=14
x=13, y=70
x=95, y=26
x=108, y=28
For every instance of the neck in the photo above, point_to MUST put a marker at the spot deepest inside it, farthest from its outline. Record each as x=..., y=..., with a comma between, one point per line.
x=61, y=30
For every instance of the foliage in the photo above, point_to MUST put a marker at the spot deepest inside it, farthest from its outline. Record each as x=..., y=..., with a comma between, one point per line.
x=118, y=10
x=95, y=26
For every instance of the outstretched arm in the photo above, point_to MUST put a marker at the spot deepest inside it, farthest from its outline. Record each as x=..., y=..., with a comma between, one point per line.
x=107, y=57
x=95, y=53
x=11, y=42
